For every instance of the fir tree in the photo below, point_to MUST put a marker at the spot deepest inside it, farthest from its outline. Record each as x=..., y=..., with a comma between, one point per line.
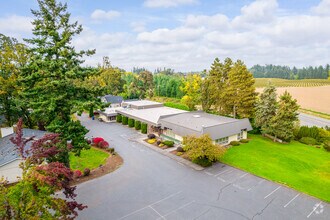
x=282, y=124
x=53, y=79
x=266, y=108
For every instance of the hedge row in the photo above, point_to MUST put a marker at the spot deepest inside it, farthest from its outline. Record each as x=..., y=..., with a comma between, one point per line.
x=119, y=118
x=131, y=122
x=124, y=120
x=144, y=128
x=137, y=125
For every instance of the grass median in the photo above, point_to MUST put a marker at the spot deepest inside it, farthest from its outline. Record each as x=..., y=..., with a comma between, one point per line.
x=91, y=159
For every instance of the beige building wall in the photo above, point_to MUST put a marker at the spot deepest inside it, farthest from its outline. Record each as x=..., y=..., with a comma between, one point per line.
x=11, y=171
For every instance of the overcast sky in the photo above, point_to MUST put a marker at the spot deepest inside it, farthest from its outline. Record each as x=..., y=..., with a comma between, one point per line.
x=187, y=35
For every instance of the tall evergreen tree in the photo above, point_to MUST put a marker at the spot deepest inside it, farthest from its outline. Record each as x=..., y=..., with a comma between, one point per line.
x=239, y=96
x=52, y=77
x=266, y=108
x=282, y=124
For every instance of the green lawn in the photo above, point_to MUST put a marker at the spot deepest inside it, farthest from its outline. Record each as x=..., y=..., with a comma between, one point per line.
x=299, y=166
x=91, y=159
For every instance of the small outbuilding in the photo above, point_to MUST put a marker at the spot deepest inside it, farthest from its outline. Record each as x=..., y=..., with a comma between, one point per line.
x=114, y=101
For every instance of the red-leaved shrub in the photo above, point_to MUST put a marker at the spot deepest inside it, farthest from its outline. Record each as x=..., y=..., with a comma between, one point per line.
x=103, y=144
x=77, y=173
x=87, y=171
x=97, y=140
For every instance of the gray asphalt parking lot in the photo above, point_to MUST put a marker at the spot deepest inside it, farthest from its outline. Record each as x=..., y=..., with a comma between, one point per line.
x=152, y=186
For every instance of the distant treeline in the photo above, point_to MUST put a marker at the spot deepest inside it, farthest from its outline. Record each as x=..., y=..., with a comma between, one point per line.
x=285, y=72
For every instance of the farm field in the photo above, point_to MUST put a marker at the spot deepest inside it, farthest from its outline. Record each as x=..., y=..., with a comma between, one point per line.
x=299, y=166
x=262, y=82
x=312, y=98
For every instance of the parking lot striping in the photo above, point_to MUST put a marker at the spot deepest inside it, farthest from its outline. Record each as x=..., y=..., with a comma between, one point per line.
x=174, y=194
x=256, y=185
x=226, y=171
x=237, y=186
x=181, y=207
x=314, y=209
x=219, y=178
x=273, y=191
x=208, y=173
x=157, y=212
x=243, y=175
x=149, y=206
x=291, y=200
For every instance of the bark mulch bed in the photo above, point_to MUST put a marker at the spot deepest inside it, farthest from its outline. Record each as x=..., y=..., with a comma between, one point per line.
x=113, y=162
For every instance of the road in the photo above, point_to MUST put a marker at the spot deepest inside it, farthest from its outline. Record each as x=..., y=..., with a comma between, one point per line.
x=152, y=186
x=309, y=120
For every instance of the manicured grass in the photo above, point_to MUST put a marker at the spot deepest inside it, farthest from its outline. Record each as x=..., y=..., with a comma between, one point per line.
x=302, y=167
x=91, y=159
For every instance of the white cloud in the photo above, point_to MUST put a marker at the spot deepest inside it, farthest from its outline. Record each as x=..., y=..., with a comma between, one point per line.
x=259, y=34
x=258, y=12
x=168, y=3
x=15, y=25
x=138, y=26
x=323, y=8
x=99, y=14
x=166, y=36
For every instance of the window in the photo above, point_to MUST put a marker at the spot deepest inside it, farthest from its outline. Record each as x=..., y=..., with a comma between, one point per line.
x=240, y=135
x=222, y=141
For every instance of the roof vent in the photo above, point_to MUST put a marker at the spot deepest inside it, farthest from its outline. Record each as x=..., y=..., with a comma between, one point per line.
x=196, y=116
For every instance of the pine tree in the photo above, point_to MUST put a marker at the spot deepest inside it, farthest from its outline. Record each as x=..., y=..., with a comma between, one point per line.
x=53, y=79
x=239, y=96
x=266, y=108
x=282, y=124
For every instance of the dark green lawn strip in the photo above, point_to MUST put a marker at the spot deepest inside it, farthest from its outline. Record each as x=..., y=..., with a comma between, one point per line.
x=299, y=166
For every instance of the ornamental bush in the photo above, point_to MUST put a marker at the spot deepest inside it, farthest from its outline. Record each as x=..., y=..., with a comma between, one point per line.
x=137, y=125
x=168, y=143
x=97, y=140
x=103, y=145
x=131, y=122
x=144, y=128
x=308, y=141
x=326, y=145
x=305, y=131
x=234, y=143
x=87, y=171
x=202, y=149
x=151, y=136
x=119, y=118
x=204, y=162
x=244, y=141
x=124, y=120
x=151, y=141
x=77, y=174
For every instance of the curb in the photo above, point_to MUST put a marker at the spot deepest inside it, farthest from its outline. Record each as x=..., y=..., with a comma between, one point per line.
x=172, y=156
